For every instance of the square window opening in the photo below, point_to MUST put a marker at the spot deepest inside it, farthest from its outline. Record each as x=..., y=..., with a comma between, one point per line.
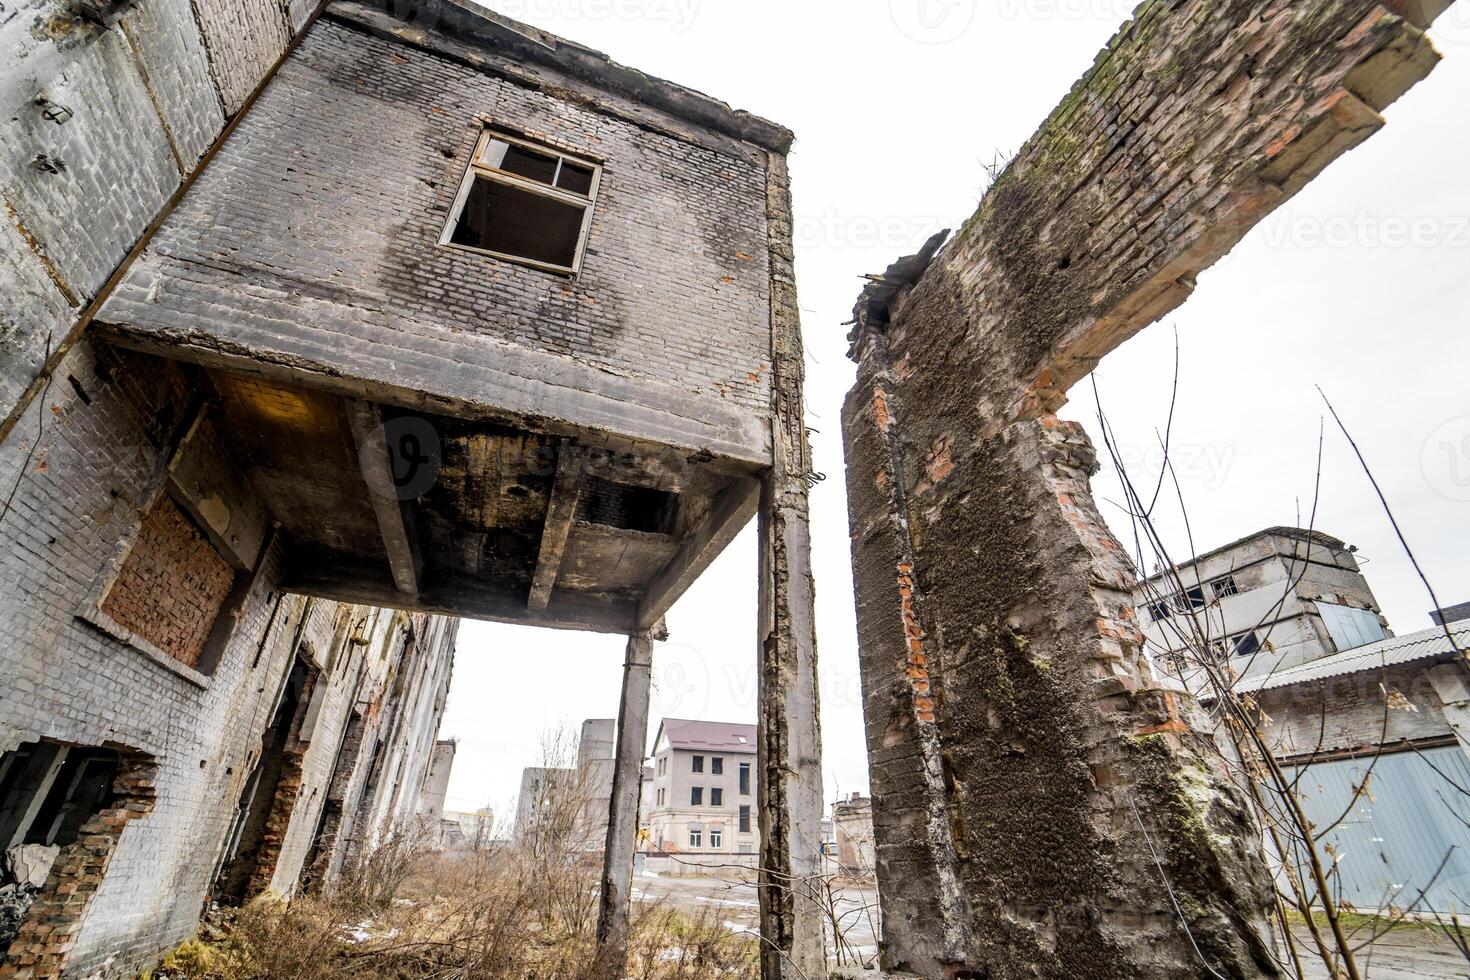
x=525, y=203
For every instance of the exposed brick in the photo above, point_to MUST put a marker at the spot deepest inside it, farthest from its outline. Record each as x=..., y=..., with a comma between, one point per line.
x=172, y=585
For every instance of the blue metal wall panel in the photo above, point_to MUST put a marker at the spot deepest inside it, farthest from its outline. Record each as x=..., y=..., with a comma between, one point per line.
x=1414, y=818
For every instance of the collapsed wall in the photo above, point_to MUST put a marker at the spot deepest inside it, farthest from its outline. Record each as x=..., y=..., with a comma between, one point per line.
x=1043, y=804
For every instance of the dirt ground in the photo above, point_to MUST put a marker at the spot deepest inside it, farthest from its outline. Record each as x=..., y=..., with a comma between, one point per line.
x=1403, y=954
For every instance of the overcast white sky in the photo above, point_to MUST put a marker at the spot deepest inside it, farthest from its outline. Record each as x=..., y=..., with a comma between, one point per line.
x=1361, y=285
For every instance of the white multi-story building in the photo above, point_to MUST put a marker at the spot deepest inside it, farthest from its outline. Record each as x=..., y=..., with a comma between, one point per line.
x=704, y=789
x=1282, y=597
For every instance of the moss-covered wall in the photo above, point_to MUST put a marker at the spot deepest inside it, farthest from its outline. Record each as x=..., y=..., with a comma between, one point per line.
x=1035, y=787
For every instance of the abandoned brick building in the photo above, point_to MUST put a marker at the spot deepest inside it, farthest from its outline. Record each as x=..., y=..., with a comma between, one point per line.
x=317, y=311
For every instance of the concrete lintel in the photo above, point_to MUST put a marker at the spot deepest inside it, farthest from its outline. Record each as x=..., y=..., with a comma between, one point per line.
x=566, y=491
x=731, y=510
x=395, y=515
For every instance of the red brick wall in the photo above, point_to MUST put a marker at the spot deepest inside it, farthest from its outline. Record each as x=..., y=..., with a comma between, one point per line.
x=171, y=586
x=50, y=931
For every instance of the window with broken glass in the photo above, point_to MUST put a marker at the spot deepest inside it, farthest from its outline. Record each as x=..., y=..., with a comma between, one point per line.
x=525, y=202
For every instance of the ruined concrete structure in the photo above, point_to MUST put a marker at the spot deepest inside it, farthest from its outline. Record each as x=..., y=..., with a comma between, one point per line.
x=398, y=306
x=1041, y=801
x=1271, y=601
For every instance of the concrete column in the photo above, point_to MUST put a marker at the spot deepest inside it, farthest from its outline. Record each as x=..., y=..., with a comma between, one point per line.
x=622, y=817
x=790, y=747
x=789, y=731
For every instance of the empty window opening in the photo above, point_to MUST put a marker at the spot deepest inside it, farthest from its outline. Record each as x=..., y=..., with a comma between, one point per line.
x=526, y=203
x=696, y=796
x=1190, y=599
x=629, y=508
x=717, y=765
x=744, y=779
x=716, y=796
x=269, y=796
x=1246, y=644
x=48, y=794
x=697, y=765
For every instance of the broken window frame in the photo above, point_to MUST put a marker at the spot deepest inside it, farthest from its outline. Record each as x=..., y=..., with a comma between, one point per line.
x=1224, y=587
x=481, y=171
x=1246, y=644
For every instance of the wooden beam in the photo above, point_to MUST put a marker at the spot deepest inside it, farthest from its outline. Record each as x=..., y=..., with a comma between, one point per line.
x=560, y=512
x=732, y=509
x=395, y=515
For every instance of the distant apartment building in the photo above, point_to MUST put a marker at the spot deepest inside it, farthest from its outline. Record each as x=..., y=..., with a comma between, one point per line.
x=704, y=789
x=1282, y=597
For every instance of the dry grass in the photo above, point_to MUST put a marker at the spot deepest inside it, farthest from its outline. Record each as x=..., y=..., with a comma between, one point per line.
x=526, y=911
x=478, y=916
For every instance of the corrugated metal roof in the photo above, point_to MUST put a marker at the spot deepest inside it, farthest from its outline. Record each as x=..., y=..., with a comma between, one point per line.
x=729, y=736
x=1427, y=644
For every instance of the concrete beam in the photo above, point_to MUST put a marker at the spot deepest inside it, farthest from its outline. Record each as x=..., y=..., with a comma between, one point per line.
x=344, y=579
x=622, y=823
x=566, y=490
x=731, y=510
x=395, y=515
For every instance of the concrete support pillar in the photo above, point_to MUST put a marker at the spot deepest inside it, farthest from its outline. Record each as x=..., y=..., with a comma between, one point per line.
x=622, y=822
x=790, y=746
x=789, y=730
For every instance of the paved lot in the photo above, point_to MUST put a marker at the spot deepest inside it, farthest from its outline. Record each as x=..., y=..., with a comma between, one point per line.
x=1406, y=954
